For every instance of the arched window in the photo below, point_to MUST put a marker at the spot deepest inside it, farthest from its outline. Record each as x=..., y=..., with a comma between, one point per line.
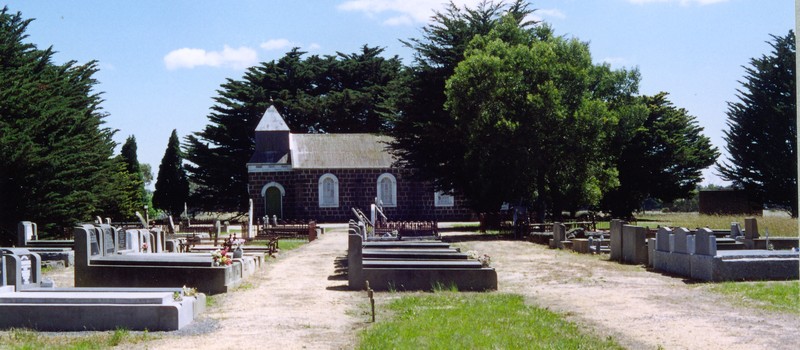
x=442, y=199
x=328, y=191
x=387, y=190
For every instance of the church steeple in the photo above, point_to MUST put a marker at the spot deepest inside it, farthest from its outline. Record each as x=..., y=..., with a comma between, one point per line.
x=272, y=138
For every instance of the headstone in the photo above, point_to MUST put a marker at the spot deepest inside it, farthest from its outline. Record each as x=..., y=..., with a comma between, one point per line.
x=26, y=231
x=141, y=219
x=171, y=224
x=662, y=239
x=122, y=240
x=94, y=242
x=705, y=242
x=678, y=242
x=616, y=240
x=736, y=230
x=634, y=246
x=250, y=232
x=750, y=228
x=23, y=268
x=108, y=239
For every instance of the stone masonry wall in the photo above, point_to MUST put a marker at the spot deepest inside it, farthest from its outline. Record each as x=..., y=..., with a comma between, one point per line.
x=357, y=189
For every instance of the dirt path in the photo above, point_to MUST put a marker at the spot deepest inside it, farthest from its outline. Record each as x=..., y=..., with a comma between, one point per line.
x=640, y=309
x=292, y=304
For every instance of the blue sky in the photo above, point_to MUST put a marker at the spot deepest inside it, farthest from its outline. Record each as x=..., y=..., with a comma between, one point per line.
x=161, y=62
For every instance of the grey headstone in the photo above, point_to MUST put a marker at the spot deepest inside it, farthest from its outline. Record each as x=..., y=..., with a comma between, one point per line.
x=616, y=240
x=122, y=240
x=705, y=242
x=662, y=239
x=736, y=230
x=108, y=239
x=679, y=241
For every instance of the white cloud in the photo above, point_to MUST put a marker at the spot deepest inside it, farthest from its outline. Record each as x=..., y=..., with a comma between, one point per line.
x=402, y=12
x=240, y=58
x=313, y=47
x=681, y=2
x=276, y=44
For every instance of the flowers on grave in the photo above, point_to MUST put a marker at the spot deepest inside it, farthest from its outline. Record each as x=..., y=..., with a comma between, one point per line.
x=189, y=292
x=233, y=243
x=484, y=259
x=144, y=247
x=221, y=257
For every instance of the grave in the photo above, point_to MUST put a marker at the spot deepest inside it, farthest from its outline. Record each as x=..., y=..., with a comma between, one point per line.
x=696, y=255
x=25, y=302
x=415, y=274
x=100, y=263
x=55, y=251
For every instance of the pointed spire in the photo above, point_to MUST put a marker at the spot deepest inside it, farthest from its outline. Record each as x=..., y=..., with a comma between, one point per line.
x=272, y=121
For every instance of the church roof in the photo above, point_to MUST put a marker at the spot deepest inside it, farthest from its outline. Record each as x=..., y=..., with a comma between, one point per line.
x=340, y=151
x=272, y=121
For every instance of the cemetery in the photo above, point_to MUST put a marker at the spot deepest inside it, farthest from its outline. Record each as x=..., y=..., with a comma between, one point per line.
x=26, y=301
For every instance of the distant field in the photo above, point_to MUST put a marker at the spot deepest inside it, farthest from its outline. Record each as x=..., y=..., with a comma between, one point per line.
x=778, y=226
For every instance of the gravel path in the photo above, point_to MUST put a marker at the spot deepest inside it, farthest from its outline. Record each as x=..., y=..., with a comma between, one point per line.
x=295, y=303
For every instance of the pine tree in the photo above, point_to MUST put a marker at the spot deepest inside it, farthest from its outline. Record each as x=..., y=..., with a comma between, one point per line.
x=133, y=179
x=172, y=186
x=56, y=165
x=762, y=134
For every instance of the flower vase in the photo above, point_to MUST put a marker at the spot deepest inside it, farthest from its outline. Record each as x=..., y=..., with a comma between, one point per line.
x=237, y=253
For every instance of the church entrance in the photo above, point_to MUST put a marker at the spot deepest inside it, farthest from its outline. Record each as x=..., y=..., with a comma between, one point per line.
x=273, y=202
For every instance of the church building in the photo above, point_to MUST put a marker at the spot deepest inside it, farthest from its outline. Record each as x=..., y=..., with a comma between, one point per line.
x=323, y=176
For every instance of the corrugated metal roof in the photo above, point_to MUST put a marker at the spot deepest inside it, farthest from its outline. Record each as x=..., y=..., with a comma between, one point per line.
x=340, y=151
x=272, y=121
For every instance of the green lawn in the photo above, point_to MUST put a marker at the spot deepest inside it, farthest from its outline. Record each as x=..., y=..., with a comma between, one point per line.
x=773, y=295
x=451, y=320
x=778, y=226
x=27, y=339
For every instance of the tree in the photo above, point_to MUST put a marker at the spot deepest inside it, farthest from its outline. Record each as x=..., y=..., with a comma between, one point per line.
x=56, y=165
x=527, y=109
x=660, y=156
x=421, y=125
x=172, y=185
x=343, y=93
x=762, y=134
x=134, y=181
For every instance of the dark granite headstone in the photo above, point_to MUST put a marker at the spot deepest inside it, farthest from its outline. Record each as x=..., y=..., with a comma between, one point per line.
x=94, y=243
x=108, y=240
x=122, y=240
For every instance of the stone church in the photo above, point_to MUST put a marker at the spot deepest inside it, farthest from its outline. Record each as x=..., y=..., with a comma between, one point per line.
x=323, y=176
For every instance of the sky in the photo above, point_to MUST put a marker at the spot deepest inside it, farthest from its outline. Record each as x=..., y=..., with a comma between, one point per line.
x=161, y=63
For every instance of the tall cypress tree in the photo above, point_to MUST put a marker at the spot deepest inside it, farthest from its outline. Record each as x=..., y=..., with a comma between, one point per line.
x=762, y=134
x=56, y=165
x=172, y=186
x=132, y=182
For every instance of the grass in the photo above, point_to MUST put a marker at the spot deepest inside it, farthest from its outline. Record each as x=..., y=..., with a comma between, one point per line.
x=289, y=244
x=778, y=226
x=773, y=295
x=446, y=320
x=28, y=339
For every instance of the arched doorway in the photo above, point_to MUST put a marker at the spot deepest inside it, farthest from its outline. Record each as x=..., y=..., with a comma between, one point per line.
x=273, y=194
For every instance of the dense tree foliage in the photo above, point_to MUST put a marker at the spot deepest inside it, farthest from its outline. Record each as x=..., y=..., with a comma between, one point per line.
x=343, y=93
x=659, y=157
x=762, y=134
x=422, y=127
x=56, y=165
x=531, y=114
x=172, y=184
